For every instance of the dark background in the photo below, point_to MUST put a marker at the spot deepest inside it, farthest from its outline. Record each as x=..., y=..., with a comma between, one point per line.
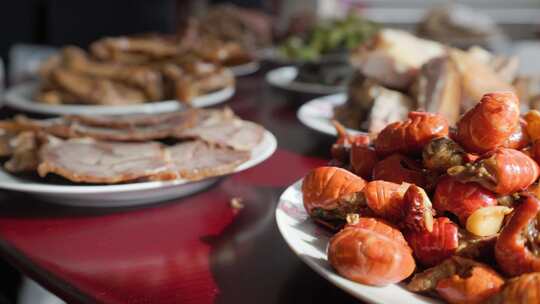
x=60, y=22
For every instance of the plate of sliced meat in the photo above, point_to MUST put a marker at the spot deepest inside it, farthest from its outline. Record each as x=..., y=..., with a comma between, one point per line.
x=110, y=161
x=22, y=97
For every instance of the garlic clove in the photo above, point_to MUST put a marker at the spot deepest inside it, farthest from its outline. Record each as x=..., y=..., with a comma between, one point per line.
x=487, y=221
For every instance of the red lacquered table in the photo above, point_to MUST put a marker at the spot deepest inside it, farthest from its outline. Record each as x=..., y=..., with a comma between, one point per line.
x=192, y=250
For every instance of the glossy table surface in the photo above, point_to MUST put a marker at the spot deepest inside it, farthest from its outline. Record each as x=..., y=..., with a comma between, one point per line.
x=192, y=250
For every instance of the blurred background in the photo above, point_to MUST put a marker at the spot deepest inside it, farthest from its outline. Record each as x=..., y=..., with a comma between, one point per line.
x=31, y=30
x=61, y=22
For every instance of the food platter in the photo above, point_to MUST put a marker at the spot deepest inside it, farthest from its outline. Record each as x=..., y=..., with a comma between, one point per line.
x=284, y=78
x=126, y=194
x=308, y=241
x=245, y=69
x=317, y=114
x=20, y=97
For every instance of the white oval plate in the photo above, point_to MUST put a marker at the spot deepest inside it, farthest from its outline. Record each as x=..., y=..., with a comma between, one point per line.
x=317, y=114
x=283, y=78
x=245, y=69
x=21, y=97
x=309, y=241
x=127, y=194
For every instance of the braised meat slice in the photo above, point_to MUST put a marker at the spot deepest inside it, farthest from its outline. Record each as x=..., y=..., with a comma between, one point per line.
x=135, y=120
x=24, y=152
x=90, y=161
x=234, y=133
x=195, y=160
x=217, y=127
x=86, y=160
x=116, y=128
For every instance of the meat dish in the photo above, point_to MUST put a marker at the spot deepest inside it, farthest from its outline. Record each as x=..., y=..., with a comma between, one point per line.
x=90, y=161
x=192, y=145
x=136, y=69
x=397, y=72
x=123, y=70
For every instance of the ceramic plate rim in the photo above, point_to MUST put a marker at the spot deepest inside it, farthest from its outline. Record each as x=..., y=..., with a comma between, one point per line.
x=260, y=153
x=18, y=96
x=319, y=120
x=245, y=69
x=362, y=292
x=283, y=78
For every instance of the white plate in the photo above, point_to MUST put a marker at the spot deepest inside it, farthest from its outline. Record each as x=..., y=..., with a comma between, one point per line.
x=284, y=78
x=21, y=97
x=318, y=113
x=126, y=194
x=309, y=241
x=245, y=69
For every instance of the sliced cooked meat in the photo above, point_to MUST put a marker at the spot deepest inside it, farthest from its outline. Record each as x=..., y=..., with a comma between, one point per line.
x=24, y=155
x=134, y=120
x=195, y=160
x=5, y=142
x=217, y=127
x=90, y=161
x=85, y=160
x=237, y=134
x=55, y=126
x=71, y=128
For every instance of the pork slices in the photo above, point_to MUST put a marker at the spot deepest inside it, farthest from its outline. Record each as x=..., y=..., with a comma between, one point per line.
x=90, y=161
x=216, y=127
x=225, y=129
x=183, y=119
x=100, y=162
x=103, y=128
x=195, y=160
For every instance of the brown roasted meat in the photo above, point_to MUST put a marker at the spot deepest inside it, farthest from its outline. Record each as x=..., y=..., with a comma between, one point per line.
x=96, y=91
x=144, y=77
x=134, y=49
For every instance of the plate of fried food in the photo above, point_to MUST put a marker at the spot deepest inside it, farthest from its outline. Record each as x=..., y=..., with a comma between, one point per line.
x=397, y=72
x=122, y=75
x=426, y=213
x=121, y=160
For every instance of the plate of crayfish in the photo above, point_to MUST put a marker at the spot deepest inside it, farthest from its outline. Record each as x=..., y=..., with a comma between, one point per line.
x=425, y=212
